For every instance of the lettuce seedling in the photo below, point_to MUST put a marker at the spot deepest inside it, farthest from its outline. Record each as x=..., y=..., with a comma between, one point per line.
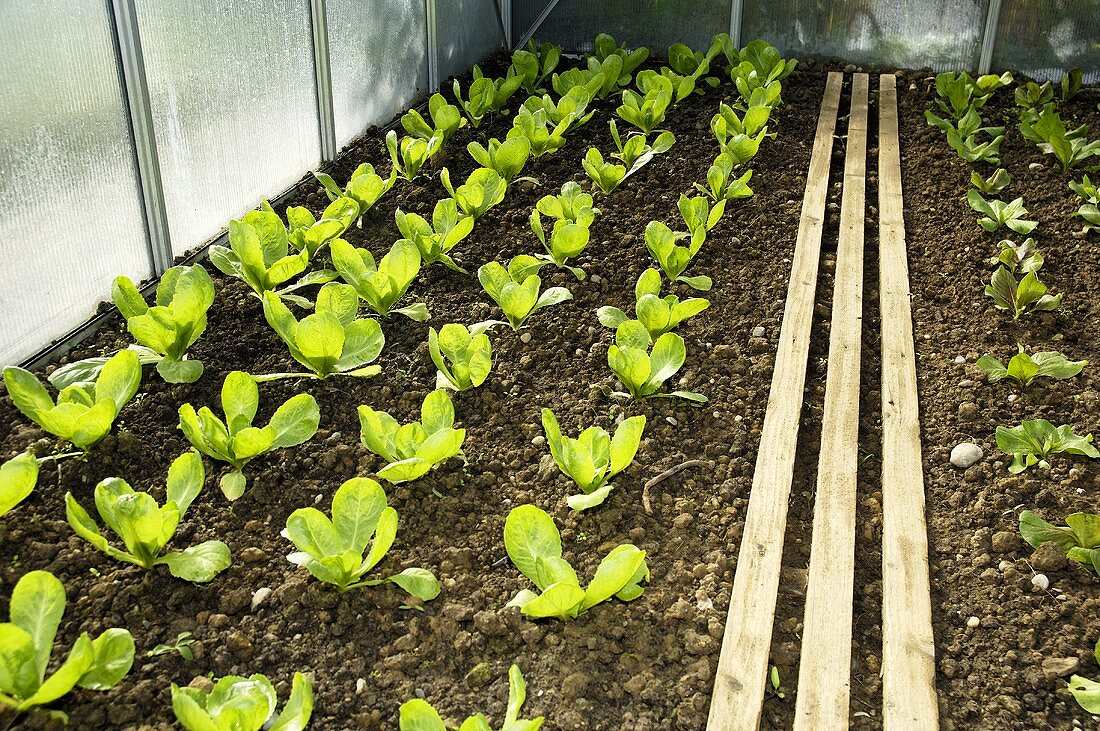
x=572, y=205
x=146, y=527
x=26, y=643
x=463, y=356
x=365, y=187
x=992, y=185
x=18, y=476
x=411, y=153
x=643, y=367
x=486, y=95
x=235, y=440
x=598, y=78
x=998, y=213
x=84, y=412
x=570, y=111
x=263, y=263
x=516, y=289
x=506, y=158
x=305, y=232
x=1071, y=83
x=543, y=135
x=764, y=58
x=606, y=175
x=637, y=151
x=535, y=65
x=721, y=183
x=741, y=148
x=594, y=457
x=1019, y=258
x=534, y=546
x=412, y=450
x=1024, y=297
x=446, y=120
x=566, y=240
x=418, y=714
x=483, y=190
x=332, y=550
x=383, y=284
x=1080, y=538
x=435, y=240
x=647, y=112
x=658, y=314
x=699, y=216
x=727, y=123
x=605, y=47
x=1024, y=368
x=243, y=704
x=1070, y=148
x=660, y=241
x=331, y=340
x=686, y=68
x=1033, y=441
x=1032, y=95
x=1091, y=215
x=1087, y=692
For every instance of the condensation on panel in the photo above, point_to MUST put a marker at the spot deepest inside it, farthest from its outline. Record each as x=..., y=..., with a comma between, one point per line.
x=654, y=23
x=379, y=58
x=1043, y=38
x=468, y=32
x=70, y=207
x=234, y=106
x=941, y=34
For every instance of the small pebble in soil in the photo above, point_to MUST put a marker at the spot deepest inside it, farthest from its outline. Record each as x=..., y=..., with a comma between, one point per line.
x=973, y=622
x=758, y=331
x=538, y=440
x=360, y=686
x=260, y=596
x=596, y=279
x=1012, y=397
x=1040, y=581
x=1035, y=166
x=960, y=358
x=966, y=454
x=525, y=338
x=672, y=421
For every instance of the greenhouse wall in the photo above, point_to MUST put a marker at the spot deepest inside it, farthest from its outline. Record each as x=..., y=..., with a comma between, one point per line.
x=148, y=124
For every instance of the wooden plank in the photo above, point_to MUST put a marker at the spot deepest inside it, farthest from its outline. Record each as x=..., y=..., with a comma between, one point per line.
x=824, y=674
x=743, y=664
x=908, y=651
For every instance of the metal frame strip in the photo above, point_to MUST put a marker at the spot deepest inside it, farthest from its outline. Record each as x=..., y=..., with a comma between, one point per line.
x=989, y=36
x=537, y=24
x=322, y=72
x=737, y=9
x=433, y=45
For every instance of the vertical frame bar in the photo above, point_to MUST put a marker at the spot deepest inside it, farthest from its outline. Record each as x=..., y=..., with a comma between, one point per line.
x=135, y=88
x=433, y=45
x=322, y=71
x=506, y=15
x=737, y=7
x=989, y=36
x=537, y=24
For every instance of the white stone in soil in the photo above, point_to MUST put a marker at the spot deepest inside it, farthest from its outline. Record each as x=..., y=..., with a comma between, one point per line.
x=960, y=358
x=973, y=622
x=758, y=331
x=966, y=454
x=1040, y=581
x=360, y=685
x=260, y=596
x=525, y=338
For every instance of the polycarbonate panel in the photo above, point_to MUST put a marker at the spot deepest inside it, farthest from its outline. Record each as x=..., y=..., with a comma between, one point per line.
x=575, y=23
x=233, y=96
x=70, y=207
x=379, y=59
x=1043, y=38
x=468, y=31
x=524, y=14
x=942, y=34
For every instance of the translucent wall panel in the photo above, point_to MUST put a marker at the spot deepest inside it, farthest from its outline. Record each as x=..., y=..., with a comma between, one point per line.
x=468, y=31
x=231, y=84
x=575, y=23
x=70, y=208
x=1043, y=38
x=379, y=57
x=524, y=13
x=943, y=34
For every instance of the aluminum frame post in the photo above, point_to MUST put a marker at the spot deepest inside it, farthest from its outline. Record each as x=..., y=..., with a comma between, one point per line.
x=433, y=45
x=322, y=74
x=536, y=25
x=989, y=36
x=737, y=9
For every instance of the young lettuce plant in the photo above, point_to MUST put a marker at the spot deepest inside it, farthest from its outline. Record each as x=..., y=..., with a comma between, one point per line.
x=992, y=185
x=411, y=153
x=594, y=457
x=463, y=356
x=571, y=109
x=647, y=112
x=606, y=175
x=26, y=643
x=543, y=135
x=435, y=240
x=637, y=151
x=600, y=78
x=1070, y=148
x=259, y=257
x=515, y=289
x=419, y=715
x=1071, y=83
x=534, y=546
x=365, y=187
x=446, y=120
x=998, y=213
x=412, y=450
x=1019, y=258
x=566, y=240
x=383, y=284
x=1022, y=297
x=660, y=241
x=606, y=47
x=235, y=703
x=84, y=412
x=486, y=95
x=721, y=183
x=699, y=216
x=643, y=367
x=1031, y=95
x=146, y=527
x=308, y=234
x=484, y=189
x=658, y=314
x=506, y=158
x=1088, y=211
x=1033, y=441
x=332, y=550
x=572, y=205
x=1024, y=368
x=331, y=341
x=19, y=476
x=534, y=65
x=235, y=440
x=1080, y=538
x=727, y=123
